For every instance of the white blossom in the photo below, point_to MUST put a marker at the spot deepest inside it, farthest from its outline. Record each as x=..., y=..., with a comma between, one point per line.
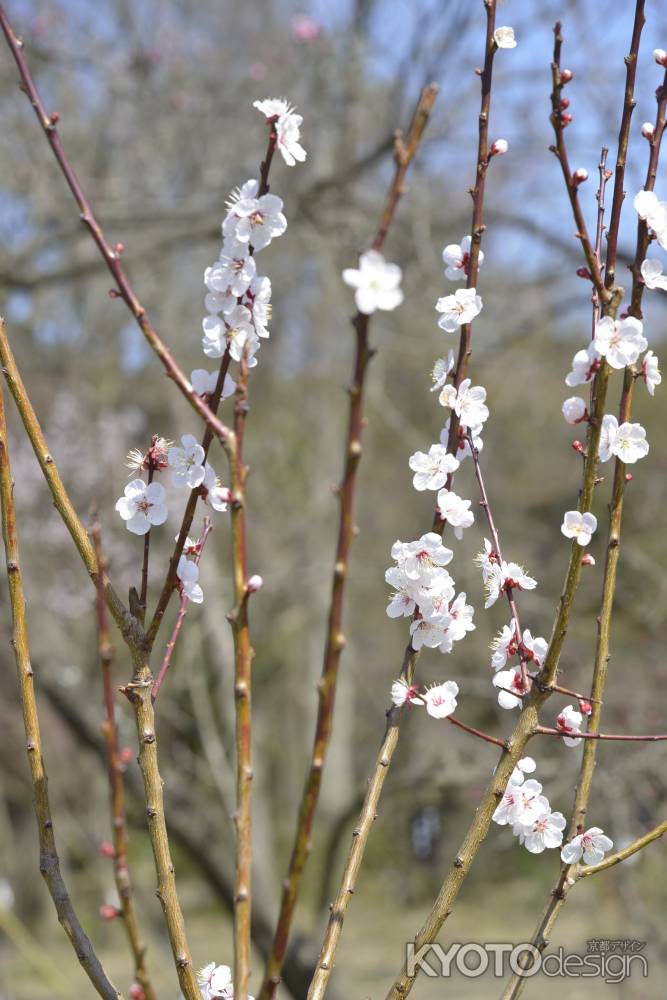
x=463, y=449
x=217, y=496
x=457, y=259
x=431, y=470
x=377, y=283
x=487, y=559
x=579, y=526
x=534, y=648
x=429, y=633
x=204, y=383
x=504, y=37
x=440, y=699
x=569, y=721
x=545, y=831
x=592, y=845
x=441, y=370
x=608, y=433
x=584, y=365
x=259, y=302
x=287, y=126
x=455, y=511
x=654, y=212
x=188, y=573
x=504, y=645
x=142, y=506
x=504, y=576
x=511, y=682
x=627, y=442
x=574, y=409
x=231, y=275
x=525, y=766
x=420, y=560
x=520, y=804
x=255, y=221
x=619, y=341
x=461, y=617
x=650, y=371
x=651, y=270
x=187, y=463
x=467, y=402
x=402, y=693
x=458, y=309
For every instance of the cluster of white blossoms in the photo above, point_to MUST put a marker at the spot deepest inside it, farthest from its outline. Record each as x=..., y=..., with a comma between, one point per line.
x=439, y=699
x=238, y=307
x=216, y=983
x=528, y=649
x=500, y=576
x=527, y=811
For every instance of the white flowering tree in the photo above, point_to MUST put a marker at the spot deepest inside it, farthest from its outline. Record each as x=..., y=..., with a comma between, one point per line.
x=549, y=718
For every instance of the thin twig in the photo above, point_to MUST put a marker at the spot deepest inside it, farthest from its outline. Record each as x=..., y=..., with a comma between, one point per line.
x=110, y=255
x=404, y=153
x=626, y=852
x=115, y=773
x=49, y=862
x=623, y=737
x=479, y=733
x=180, y=618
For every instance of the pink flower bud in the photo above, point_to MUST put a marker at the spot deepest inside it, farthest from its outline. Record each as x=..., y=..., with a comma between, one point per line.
x=107, y=850
x=585, y=707
x=648, y=130
x=135, y=992
x=118, y=249
x=566, y=75
x=583, y=272
x=499, y=147
x=588, y=560
x=628, y=477
x=126, y=755
x=660, y=57
x=108, y=912
x=579, y=176
x=578, y=446
x=55, y=117
x=565, y=118
x=254, y=583
x=564, y=103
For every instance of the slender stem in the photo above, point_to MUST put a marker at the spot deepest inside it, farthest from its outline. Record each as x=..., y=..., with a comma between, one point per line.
x=110, y=255
x=115, y=772
x=626, y=852
x=49, y=862
x=477, y=732
x=604, y=177
x=180, y=618
x=143, y=596
x=595, y=735
x=404, y=154
x=389, y=743
x=128, y=625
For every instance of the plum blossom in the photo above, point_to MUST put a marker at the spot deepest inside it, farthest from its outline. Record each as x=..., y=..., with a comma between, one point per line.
x=533, y=649
x=204, y=383
x=579, y=526
x=627, y=442
x=259, y=302
x=487, y=559
x=457, y=259
x=231, y=276
x=650, y=371
x=651, y=270
x=455, y=511
x=504, y=576
x=421, y=559
x=499, y=147
x=187, y=463
x=545, y=831
x=592, y=845
x=619, y=341
x=287, y=125
x=525, y=766
x=216, y=495
x=574, y=410
x=504, y=37
x=504, y=645
x=431, y=470
x=430, y=633
x=441, y=371
x=216, y=982
x=654, y=212
x=569, y=721
x=377, y=283
x=520, y=804
x=142, y=506
x=511, y=682
x=461, y=615
x=255, y=221
x=403, y=693
x=584, y=366
x=458, y=309
x=440, y=699
x=467, y=402
x=188, y=573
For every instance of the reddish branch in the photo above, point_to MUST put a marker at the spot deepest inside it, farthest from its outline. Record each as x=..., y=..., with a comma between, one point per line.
x=180, y=618
x=623, y=737
x=405, y=151
x=110, y=254
x=115, y=772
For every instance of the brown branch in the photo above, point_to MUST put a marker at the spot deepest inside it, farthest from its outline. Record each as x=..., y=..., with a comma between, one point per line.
x=390, y=740
x=480, y=734
x=49, y=862
x=110, y=254
x=180, y=618
x=404, y=153
x=625, y=738
x=115, y=773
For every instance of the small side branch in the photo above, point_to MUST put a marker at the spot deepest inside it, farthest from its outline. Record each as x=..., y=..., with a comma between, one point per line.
x=626, y=852
x=621, y=737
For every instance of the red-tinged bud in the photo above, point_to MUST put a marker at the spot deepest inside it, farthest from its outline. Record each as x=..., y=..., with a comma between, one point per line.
x=660, y=57
x=583, y=272
x=628, y=477
x=578, y=446
x=55, y=117
x=564, y=104
x=254, y=583
x=118, y=248
x=585, y=706
x=108, y=912
x=587, y=560
x=565, y=119
x=135, y=992
x=225, y=494
x=579, y=176
x=107, y=850
x=114, y=293
x=648, y=130
x=498, y=148
x=126, y=755
x=566, y=75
